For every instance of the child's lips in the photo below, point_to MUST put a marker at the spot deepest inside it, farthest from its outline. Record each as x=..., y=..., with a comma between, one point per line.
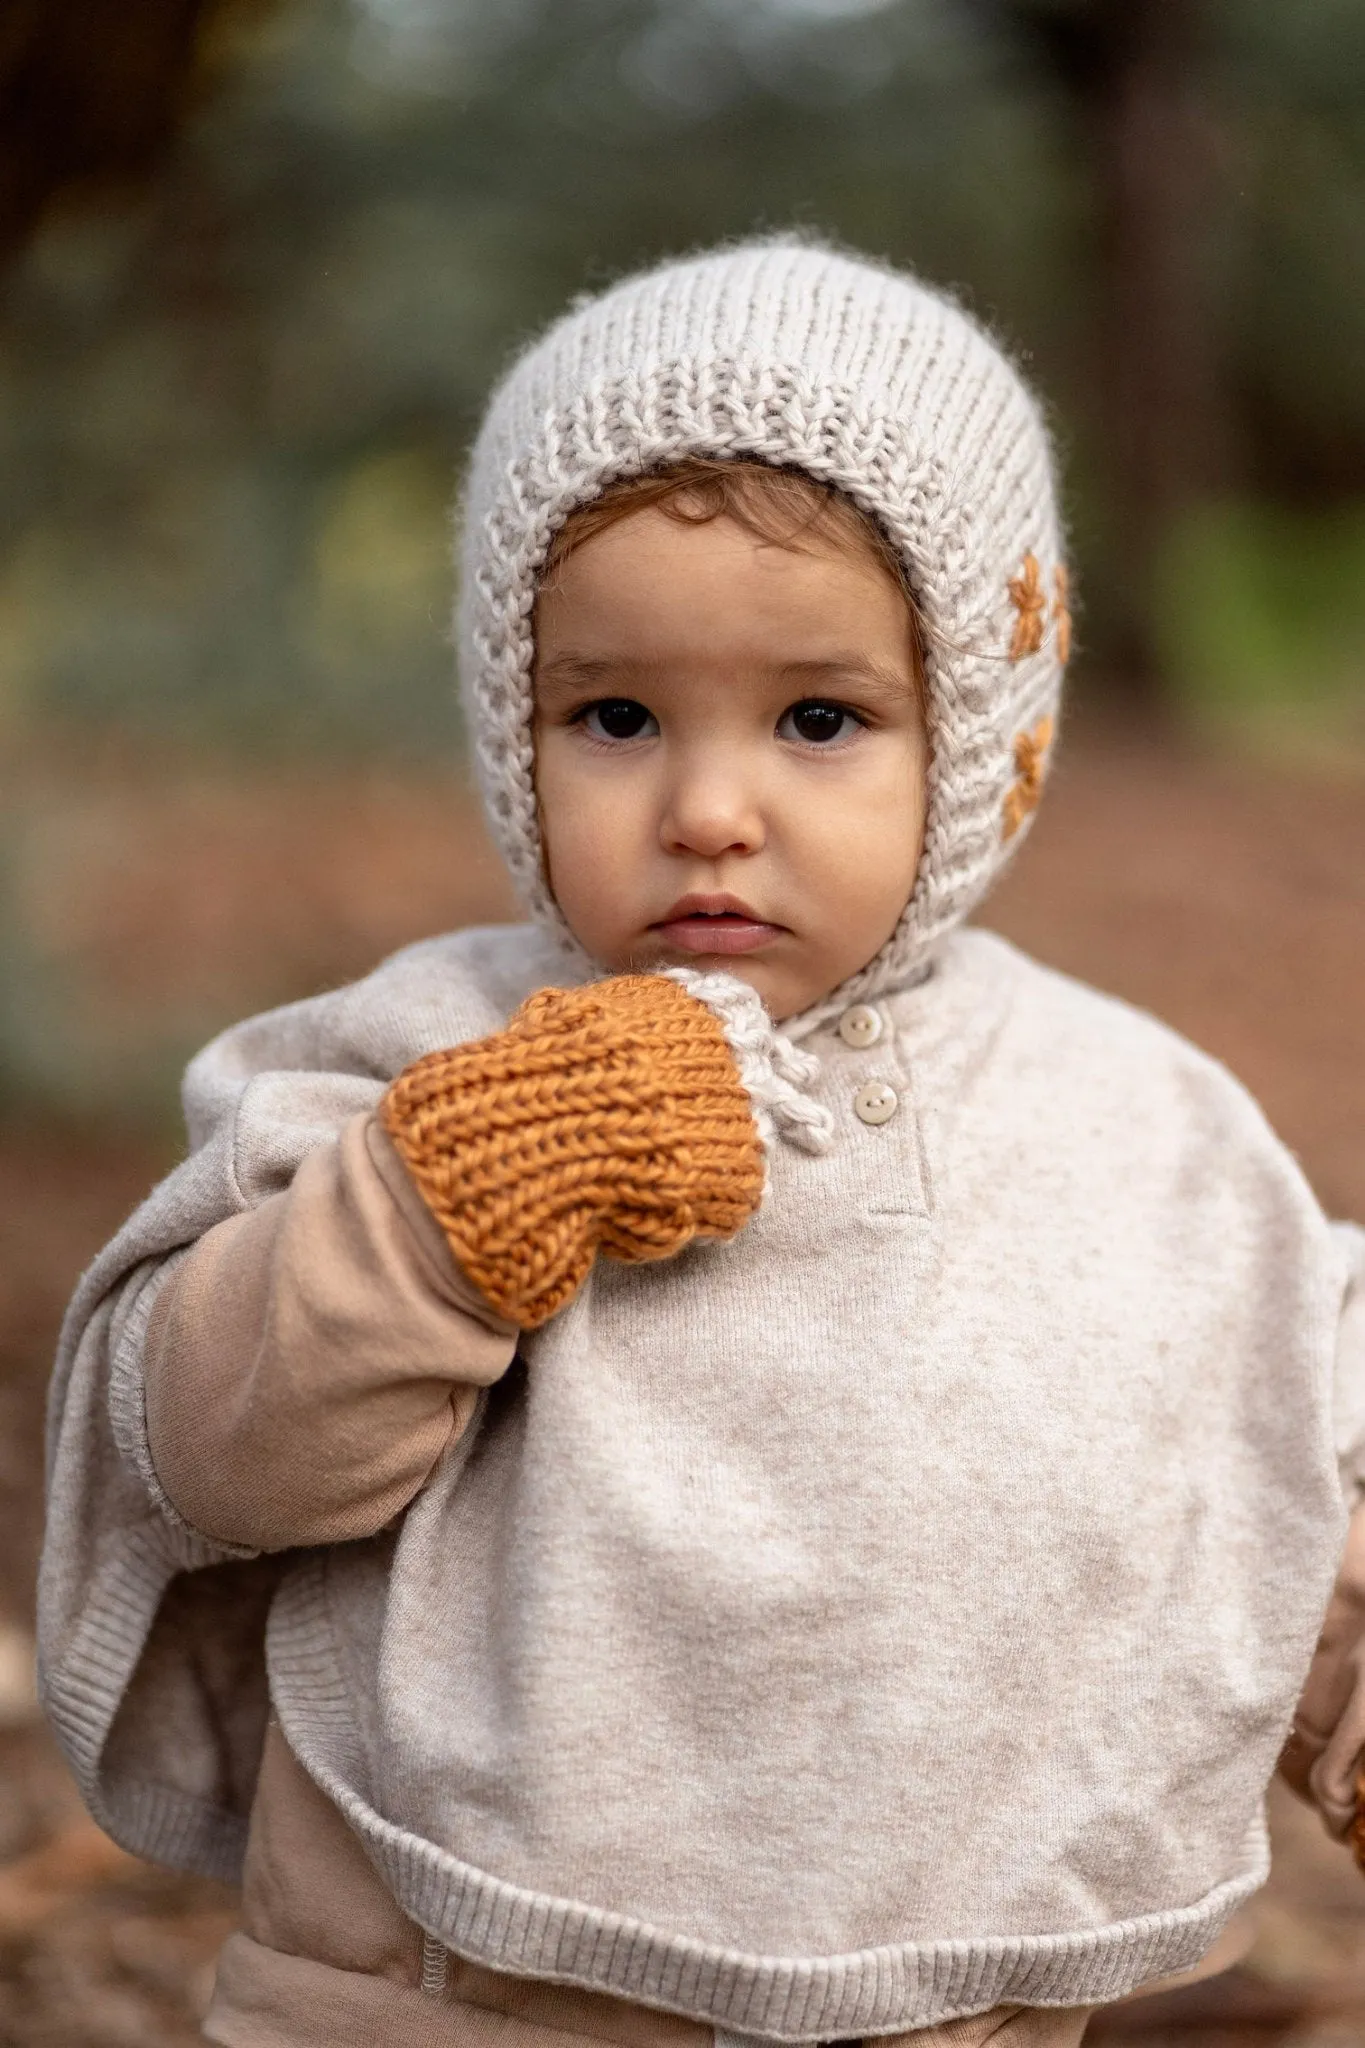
x=729, y=933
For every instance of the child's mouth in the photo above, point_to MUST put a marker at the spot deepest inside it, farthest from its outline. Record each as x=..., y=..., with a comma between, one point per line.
x=695, y=926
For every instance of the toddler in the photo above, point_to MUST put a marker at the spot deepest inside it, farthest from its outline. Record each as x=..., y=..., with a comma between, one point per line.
x=738, y=1460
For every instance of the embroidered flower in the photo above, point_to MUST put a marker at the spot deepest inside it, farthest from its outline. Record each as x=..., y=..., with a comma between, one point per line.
x=1030, y=758
x=1061, y=615
x=1028, y=599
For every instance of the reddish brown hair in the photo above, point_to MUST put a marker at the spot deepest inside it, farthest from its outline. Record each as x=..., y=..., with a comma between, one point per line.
x=781, y=508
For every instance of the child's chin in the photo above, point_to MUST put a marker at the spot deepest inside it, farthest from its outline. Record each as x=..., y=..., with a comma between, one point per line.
x=780, y=996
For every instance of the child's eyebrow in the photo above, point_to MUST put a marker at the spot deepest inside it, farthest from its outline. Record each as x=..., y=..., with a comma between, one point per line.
x=581, y=671
x=567, y=674
x=832, y=669
x=580, y=668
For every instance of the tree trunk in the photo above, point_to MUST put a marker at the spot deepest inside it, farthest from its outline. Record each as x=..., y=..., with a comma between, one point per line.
x=1154, y=163
x=91, y=91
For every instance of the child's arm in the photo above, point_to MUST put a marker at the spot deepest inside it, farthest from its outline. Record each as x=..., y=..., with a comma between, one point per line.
x=313, y=1358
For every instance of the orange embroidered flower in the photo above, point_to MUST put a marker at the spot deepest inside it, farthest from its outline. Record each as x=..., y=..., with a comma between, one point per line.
x=1061, y=615
x=1030, y=758
x=1029, y=599
x=1026, y=595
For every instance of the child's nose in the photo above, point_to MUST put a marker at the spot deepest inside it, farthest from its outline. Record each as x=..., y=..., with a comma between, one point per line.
x=711, y=812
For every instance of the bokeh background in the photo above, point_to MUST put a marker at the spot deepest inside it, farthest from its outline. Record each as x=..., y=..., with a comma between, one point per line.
x=259, y=261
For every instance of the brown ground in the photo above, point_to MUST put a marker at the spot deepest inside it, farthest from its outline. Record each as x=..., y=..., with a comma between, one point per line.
x=1227, y=897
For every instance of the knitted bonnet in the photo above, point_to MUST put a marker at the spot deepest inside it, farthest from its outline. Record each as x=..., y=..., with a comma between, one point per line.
x=791, y=353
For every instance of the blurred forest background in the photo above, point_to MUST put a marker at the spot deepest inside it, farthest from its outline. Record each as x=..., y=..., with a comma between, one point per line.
x=264, y=257
x=259, y=262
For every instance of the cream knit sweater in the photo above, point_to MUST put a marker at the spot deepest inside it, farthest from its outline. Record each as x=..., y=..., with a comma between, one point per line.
x=894, y=1612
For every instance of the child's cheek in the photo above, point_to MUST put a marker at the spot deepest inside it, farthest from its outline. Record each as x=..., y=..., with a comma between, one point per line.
x=593, y=859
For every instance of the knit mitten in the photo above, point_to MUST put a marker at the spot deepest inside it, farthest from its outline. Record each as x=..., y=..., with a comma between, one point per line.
x=608, y=1118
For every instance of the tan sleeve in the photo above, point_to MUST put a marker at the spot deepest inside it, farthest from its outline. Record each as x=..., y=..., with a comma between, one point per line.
x=313, y=1358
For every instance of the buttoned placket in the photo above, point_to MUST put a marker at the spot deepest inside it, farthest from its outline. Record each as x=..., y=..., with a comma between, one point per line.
x=869, y=1089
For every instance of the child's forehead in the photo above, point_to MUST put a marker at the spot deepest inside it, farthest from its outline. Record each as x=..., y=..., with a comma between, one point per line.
x=778, y=507
x=655, y=562
x=650, y=585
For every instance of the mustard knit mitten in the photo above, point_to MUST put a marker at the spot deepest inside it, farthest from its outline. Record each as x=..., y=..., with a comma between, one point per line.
x=608, y=1118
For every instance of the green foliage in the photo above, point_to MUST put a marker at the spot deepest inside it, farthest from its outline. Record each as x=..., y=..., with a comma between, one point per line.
x=1263, y=614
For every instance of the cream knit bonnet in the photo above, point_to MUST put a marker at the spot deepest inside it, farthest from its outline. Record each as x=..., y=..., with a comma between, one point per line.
x=787, y=352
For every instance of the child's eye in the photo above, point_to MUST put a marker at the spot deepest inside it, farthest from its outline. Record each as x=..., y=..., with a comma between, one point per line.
x=617, y=718
x=815, y=722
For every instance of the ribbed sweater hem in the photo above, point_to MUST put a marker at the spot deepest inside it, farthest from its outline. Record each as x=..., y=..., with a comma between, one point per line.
x=81, y=1698
x=888, y=1989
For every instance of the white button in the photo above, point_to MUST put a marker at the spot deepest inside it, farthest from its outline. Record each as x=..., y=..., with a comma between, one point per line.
x=876, y=1102
x=860, y=1026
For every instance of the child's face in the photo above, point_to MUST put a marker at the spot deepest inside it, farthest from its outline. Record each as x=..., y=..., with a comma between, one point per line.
x=730, y=754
